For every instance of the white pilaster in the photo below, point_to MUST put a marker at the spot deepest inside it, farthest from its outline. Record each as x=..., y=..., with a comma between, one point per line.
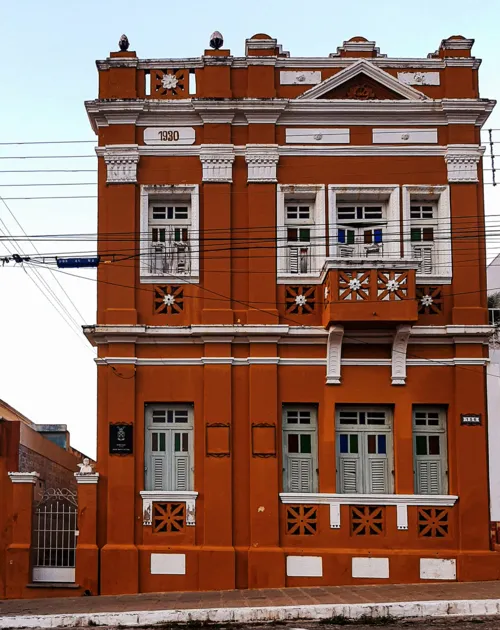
x=334, y=353
x=217, y=161
x=399, y=346
x=262, y=160
x=461, y=162
x=121, y=162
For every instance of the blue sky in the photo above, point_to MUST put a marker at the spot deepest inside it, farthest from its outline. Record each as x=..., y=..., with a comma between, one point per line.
x=48, y=71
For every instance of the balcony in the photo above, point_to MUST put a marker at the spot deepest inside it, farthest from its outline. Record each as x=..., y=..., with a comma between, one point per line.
x=369, y=291
x=494, y=316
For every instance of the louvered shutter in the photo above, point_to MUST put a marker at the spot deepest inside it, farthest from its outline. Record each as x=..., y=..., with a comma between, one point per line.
x=300, y=473
x=157, y=472
x=349, y=474
x=181, y=471
x=377, y=471
x=429, y=476
x=293, y=259
x=424, y=256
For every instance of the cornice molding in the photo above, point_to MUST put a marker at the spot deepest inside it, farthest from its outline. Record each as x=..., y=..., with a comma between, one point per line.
x=87, y=478
x=24, y=477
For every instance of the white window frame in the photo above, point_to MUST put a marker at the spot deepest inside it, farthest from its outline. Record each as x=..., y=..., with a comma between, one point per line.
x=366, y=194
x=310, y=194
x=169, y=429
x=432, y=430
x=362, y=430
x=177, y=194
x=310, y=429
x=439, y=196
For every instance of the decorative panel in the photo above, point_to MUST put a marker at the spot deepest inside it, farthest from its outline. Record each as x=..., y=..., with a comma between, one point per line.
x=370, y=568
x=389, y=135
x=300, y=300
x=300, y=77
x=169, y=83
x=263, y=440
x=419, y=78
x=367, y=520
x=301, y=520
x=312, y=135
x=430, y=300
x=169, y=518
x=304, y=566
x=168, y=564
x=392, y=285
x=354, y=285
x=433, y=522
x=218, y=440
x=438, y=569
x=168, y=300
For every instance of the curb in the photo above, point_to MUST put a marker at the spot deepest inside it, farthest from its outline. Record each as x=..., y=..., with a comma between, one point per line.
x=406, y=610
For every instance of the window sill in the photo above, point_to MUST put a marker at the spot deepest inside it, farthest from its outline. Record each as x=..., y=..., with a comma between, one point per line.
x=184, y=279
x=188, y=497
x=401, y=501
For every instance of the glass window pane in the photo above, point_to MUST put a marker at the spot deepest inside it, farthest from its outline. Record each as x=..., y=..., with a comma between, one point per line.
x=162, y=442
x=378, y=236
x=434, y=447
x=305, y=417
x=415, y=234
x=291, y=212
x=375, y=417
x=348, y=417
x=381, y=444
x=162, y=235
x=170, y=213
x=304, y=212
x=420, y=418
x=428, y=234
x=372, y=444
x=293, y=443
x=421, y=444
x=305, y=443
x=154, y=445
x=350, y=237
x=353, y=443
x=292, y=417
x=181, y=415
x=368, y=237
x=170, y=415
x=185, y=442
x=343, y=443
x=341, y=237
x=158, y=416
x=433, y=419
x=177, y=442
x=359, y=212
x=304, y=235
x=292, y=234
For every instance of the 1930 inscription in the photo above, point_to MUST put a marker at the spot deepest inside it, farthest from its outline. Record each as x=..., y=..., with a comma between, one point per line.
x=169, y=135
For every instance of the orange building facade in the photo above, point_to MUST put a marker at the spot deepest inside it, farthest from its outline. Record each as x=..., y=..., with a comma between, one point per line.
x=292, y=324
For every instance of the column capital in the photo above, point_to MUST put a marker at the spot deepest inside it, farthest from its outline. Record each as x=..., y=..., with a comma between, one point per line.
x=24, y=477
x=217, y=161
x=262, y=160
x=121, y=161
x=462, y=161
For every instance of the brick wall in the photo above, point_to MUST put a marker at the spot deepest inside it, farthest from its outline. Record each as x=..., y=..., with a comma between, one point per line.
x=52, y=474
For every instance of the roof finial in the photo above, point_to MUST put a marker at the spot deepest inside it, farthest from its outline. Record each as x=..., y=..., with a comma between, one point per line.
x=123, y=43
x=216, y=40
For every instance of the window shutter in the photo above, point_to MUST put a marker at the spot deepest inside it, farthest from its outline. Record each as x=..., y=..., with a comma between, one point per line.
x=349, y=474
x=300, y=474
x=377, y=474
x=181, y=471
x=424, y=255
x=157, y=472
x=293, y=259
x=429, y=477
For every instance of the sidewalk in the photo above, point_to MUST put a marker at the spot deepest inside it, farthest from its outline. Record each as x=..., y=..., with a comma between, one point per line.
x=402, y=601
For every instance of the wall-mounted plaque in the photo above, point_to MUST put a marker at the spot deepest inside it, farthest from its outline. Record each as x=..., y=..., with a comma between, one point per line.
x=121, y=439
x=169, y=135
x=470, y=419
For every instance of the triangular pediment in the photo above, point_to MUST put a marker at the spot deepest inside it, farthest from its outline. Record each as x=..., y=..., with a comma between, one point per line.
x=362, y=81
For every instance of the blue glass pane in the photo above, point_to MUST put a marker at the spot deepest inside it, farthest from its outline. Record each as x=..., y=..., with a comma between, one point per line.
x=343, y=443
x=341, y=236
x=377, y=234
x=381, y=443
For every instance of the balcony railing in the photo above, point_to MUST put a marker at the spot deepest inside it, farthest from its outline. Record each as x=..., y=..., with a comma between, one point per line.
x=370, y=290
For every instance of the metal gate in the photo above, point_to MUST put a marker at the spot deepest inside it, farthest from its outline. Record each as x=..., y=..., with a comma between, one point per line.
x=54, y=536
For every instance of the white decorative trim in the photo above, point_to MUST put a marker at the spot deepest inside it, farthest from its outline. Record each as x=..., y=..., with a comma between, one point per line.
x=168, y=564
x=438, y=569
x=300, y=77
x=260, y=44
x=301, y=150
x=92, y=478
x=363, y=67
x=262, y=160
x=315, y=192
x=171, y=191
x=399, y=346
x=358, y=46
x=456, y=43
x=304, y=566
x=367, y=192
x=187, y=497
x=24, y=477
x=419, y=78
x=327, y=135
x=370, y=567
x=333, y=355
x=462, y=162
x=121, y=163
x=404, y=136
x=402, y=501
x=217, y=161
x=443, y=251
x=169, y=136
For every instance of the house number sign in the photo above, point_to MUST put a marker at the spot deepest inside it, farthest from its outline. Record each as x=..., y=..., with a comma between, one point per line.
x=169, y=135
x=471, y=419
x=121, y=439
